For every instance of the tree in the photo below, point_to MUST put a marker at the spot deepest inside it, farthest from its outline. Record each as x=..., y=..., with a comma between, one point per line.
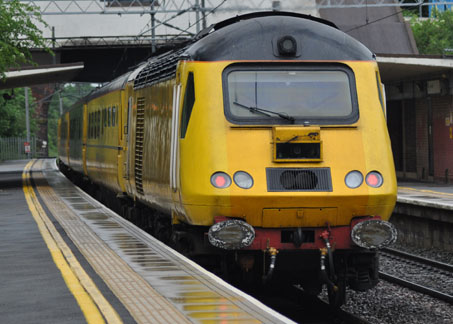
x=12, y=113
x=18, y=33
x=434, y=35
x=70, y=93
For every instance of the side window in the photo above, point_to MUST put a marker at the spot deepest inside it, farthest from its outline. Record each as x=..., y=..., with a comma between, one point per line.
x=381, y=99
x=98, y=123
x=189, y=100
x=63, y=129
x=93, y=128
x=89, y=125
x=113, y=115
x=102, y=120
x=109, y=117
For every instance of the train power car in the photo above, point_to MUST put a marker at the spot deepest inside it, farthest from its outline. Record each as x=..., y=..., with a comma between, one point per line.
x=262, y=141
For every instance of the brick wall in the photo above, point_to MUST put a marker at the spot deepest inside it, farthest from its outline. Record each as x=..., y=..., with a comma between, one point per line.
x=410, y=153
x=43, y=95
x=422, y=152
x=442, y=137
x=394, y=122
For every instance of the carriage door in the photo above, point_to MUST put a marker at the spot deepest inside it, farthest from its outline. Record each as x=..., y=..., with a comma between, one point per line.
x=84, y=139
x=174, y=153
x=127, y=128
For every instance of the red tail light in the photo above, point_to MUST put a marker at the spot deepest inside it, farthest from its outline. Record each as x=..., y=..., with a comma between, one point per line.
x=220, y=180
x=374, y=179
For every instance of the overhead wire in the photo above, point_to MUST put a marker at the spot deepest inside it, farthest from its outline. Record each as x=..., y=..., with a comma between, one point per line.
x=190, y=25
x=204, y=17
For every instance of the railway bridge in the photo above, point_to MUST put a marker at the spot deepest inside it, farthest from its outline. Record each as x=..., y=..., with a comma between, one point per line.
x=110, y=36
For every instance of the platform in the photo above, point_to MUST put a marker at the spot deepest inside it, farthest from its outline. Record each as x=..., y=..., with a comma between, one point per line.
x=426, y=194
x=423, y=215
x=65, y=258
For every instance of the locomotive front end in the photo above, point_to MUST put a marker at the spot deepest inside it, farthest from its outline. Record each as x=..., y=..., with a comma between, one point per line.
x=298, y=148
x=294, y=167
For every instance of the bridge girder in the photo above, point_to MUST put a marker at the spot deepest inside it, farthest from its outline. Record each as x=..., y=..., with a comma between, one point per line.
x=122, y=7
x=141, y=7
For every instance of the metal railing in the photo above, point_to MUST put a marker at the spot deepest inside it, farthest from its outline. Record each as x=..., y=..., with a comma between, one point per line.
x=15, y=148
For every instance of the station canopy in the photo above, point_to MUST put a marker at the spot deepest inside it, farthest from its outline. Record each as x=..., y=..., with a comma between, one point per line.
x=394, y=68
x=29, y=76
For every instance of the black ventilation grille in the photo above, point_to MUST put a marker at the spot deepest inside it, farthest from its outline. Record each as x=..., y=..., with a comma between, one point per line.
x=298, y=151
x=158, y=69
x=283, y=179
x=139, y=139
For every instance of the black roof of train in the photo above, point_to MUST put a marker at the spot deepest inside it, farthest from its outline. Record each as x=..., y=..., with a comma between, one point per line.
x=255, y=36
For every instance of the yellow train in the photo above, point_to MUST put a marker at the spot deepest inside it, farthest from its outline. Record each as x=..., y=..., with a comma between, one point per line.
x=262, y=141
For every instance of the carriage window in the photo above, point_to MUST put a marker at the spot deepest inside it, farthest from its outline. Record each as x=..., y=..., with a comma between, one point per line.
x=287, y=95
x=189, y=100
x=89, y=125
x=98, y=122
x=113, y=115
x=63, y=129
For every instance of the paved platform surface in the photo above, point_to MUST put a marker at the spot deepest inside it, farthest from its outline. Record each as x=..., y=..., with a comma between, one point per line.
x=65, y=258
x=32, y=289
x=426, y=194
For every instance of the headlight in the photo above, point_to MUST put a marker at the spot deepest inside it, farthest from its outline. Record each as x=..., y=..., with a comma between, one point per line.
x=220, y=180
x=243, y=180
x=374, y=234
x=231, y=234
x=353, y=179
x=374, y=179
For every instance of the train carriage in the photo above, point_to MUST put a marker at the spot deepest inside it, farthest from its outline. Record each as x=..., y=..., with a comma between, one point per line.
x=263, y=140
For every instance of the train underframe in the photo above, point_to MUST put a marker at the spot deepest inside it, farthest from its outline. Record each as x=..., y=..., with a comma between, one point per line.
x=309, y=269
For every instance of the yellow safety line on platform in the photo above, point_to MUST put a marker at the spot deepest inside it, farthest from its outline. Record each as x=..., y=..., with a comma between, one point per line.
x=427, y=191
x=79, y=283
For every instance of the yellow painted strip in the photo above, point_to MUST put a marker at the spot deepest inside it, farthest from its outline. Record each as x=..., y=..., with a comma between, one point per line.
x=90, y=299
x=427, y=191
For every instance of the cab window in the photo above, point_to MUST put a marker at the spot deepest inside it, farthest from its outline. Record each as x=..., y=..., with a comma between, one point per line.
x=290, y=94
x=189, y=101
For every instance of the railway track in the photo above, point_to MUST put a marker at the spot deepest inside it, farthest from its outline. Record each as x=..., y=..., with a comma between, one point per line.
x=423, y=275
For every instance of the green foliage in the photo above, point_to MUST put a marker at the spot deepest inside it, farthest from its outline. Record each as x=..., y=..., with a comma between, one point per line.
x=70, y=93
x=414, y=9
x=18, y=32
x=12, y=113
x=434, y=35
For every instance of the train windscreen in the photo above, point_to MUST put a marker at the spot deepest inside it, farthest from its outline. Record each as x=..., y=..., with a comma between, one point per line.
x=295, y=95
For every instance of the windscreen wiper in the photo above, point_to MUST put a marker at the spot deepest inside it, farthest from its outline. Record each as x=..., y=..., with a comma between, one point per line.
x=265, y=112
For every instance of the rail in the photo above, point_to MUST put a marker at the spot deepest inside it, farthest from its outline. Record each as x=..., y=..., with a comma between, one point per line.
x=420, y=274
